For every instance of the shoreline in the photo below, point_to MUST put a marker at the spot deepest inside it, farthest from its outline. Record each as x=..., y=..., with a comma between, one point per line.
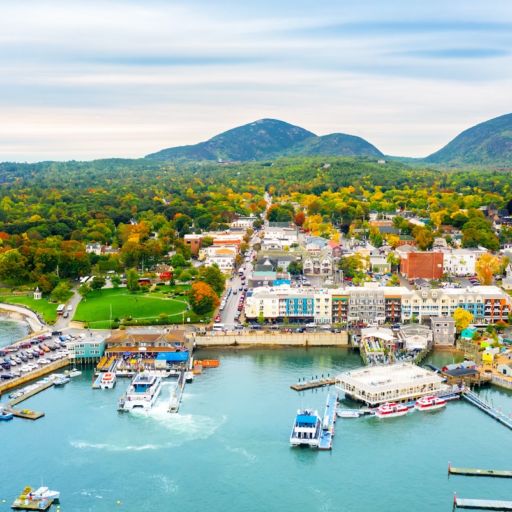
x=22, y=314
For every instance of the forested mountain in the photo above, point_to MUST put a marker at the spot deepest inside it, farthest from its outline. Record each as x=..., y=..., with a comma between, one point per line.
x=488, y=143
x=265, y=139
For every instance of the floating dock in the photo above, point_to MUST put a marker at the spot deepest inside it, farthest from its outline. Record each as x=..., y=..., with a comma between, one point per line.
x=328, y=422
x=176, y=394
x=37, y=389
x=481, y=504
x=313, y=383
x=475, y=400
x=479, y=472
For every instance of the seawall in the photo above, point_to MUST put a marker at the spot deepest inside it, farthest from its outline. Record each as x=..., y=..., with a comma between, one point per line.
x=22, y=313
x=270, y=339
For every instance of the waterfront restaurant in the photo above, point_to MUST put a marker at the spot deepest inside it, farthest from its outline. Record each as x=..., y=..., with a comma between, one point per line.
x=400, y=382
x=144, y=341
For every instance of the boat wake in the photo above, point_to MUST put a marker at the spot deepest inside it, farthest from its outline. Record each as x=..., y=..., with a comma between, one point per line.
x=250, y=457
x=84, y=445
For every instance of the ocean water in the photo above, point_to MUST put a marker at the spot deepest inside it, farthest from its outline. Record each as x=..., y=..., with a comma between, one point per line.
x=11, y=331
x=227, y=449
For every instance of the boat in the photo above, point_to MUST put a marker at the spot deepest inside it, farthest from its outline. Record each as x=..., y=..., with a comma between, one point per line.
x=174, y=400
x=348, y=413
x=73, y=373
x=5, y=415
x=60, y=380
x=209, y=363
x=142, y=392
x=27, y=500
x=429, y=403
x=189, y=377
x=391, y=410
x=45, y=493
x=307, y=429
x=108, y=380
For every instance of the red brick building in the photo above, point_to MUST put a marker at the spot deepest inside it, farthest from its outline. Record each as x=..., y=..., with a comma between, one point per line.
x=425, y=265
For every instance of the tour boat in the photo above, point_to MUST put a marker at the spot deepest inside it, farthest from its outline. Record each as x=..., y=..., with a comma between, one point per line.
x=429, y=403
x=391, y=410
x=108, y=380
x=307, y=429
x=142, y=392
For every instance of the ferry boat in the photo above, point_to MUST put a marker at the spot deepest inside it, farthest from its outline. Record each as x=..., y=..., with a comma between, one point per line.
x=108, y=380
x=429, y=403
x=142, y=393
x=391, y=410
x=307, y=429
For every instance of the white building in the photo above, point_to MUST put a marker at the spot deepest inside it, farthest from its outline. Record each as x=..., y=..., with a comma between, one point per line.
x=243, y=222
x=224, y=257
x=461, y=262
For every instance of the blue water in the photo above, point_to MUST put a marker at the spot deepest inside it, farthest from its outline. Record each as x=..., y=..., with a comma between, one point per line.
x=228, y=448
x=11, y=331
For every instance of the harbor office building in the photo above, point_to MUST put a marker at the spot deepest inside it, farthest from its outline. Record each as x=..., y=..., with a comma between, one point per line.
x=402, y=382
x=371, y=304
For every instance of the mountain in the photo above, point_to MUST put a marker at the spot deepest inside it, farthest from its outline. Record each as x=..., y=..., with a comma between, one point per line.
x=486, y=143
x=268, y=138
x=253, y=141
x=334, y=144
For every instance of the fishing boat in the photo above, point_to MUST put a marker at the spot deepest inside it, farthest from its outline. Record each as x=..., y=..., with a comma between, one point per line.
x=189, y=377
x=142, y=392
x=108, y=380
x=307, y=429
x=391, y=410
x=430, y=403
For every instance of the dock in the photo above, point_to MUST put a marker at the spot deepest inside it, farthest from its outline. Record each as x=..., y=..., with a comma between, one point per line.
x=313, y=383
x=475, y=400
x=328, y=422
x=474, y=504
x=479, y=472
x=176, y=394
x=37, y=389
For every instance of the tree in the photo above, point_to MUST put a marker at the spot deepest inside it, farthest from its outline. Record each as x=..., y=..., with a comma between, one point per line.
x=13, y=267
x=424, y=237
x=61, y=292
x=299, y=218
x=203, y=298
x=213, y=276
x=394, y=260
x=116, y=281
x=98, y=283
x=351, y=265
x=132, y=280
x=84, y=290
x=295, y=268
x=462, y=318
x=486, y=267
x=261, y=318
x=394, y=280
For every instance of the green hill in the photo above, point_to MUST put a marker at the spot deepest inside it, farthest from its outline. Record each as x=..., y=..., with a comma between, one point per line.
x=268, y=138
x=488, y=143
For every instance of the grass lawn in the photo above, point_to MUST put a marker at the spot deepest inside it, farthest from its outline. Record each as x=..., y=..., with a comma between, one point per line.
x=44, y=308
x=95, y=308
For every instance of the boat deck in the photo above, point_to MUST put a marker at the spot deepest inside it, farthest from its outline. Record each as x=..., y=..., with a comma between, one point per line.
x=475, y=504
x=328, y=422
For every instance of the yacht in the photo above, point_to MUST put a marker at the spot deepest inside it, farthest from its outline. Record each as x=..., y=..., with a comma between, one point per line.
x=307, y=429
x=108, y=380
x=142, y=392
x=391, y=410
x=429, y=403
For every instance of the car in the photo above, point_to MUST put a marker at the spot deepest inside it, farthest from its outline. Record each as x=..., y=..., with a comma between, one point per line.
x=235, y=292
x=6, y=376
x=217, y=319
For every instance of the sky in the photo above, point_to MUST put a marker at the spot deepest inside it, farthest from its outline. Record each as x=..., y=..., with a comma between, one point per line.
x=85, y=79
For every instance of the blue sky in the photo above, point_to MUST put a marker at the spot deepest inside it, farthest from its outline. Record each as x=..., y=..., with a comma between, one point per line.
x=91, y=79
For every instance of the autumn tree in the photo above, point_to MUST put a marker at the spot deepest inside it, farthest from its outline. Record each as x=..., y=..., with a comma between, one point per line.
x=463, y=318
x=486, y=267
x=299, y=218
x=203, y=298
x=213, y=276
x=132, y=280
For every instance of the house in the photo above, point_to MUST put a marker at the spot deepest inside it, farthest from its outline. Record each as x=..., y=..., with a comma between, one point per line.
x=224, y=257
x=379, y=265
x=461, y=262
x=505, y=369
x=443, y=329
x=93, y=248
x=243, y=222
x=422, y=264
x=193, y=242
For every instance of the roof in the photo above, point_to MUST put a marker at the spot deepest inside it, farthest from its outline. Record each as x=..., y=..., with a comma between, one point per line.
x=175, y=357
x=305, y=419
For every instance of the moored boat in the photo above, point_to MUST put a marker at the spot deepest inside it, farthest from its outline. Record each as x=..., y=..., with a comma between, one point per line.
x=189, y=377
x=45, y=493
x=307, y=429
x=142, y=392
x=60, y=380
x=5, y=415
x=108, y=380
x=391, y=410
x=429, y=403
x=73, y=372
x=347, y=413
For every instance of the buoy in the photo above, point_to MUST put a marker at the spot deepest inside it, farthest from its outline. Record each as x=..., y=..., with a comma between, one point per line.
x=118, y=502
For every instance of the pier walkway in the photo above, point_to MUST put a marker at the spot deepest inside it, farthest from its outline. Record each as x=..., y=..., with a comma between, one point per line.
x=313, y=383
x=328, y=422
x=479, y=472
x=475, y=400
x=176, y=394
x=481, y=504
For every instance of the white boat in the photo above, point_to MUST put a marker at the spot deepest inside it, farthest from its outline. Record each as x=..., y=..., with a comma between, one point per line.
x=189, y=377
x=391, y=410
x=174, y=400
x=307, y=429
x=108, y=380
x=43, y=493
x=429, y=403
x=142, y=392
x=60, y=380
x=347, y=413
x=74, y=372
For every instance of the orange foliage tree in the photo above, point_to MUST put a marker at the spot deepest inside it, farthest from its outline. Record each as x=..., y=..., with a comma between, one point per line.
x=203, y=298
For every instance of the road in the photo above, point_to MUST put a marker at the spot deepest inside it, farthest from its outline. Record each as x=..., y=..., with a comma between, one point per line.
x=63, y=323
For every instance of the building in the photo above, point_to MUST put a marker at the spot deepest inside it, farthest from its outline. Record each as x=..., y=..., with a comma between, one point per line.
x=144, y=341
x=461, y=262
x=415, y=336
x=193, y=242
x=443, y=329
x=243, y=222
x=320, y=264
x=86, y=348
x=400, y=382
x=426, y=265
x=379, y=265
x=224, y=257
x=38, y=294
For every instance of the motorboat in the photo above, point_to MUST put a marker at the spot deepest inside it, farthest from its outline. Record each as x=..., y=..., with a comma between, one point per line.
x=307, y=429
x=43, y=493
x=108, y=380
x=391, y=410
x=74, y=373
x=189, y=377
x=430, y=403
x=142, y=392
x=5, y=415
x=60, y=380
x=348, y=413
